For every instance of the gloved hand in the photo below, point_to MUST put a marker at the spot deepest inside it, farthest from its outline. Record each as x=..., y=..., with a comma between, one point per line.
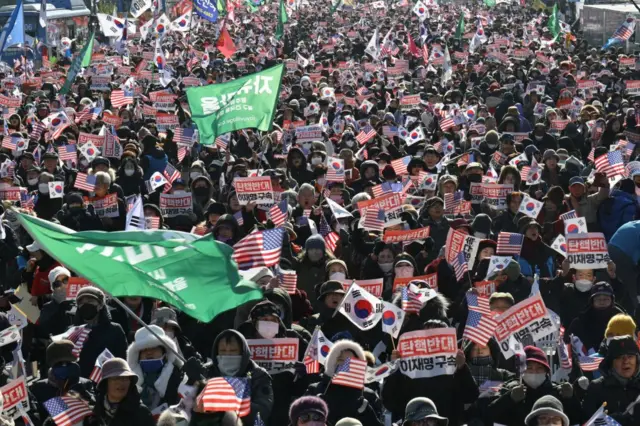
x=566, y=390
x=518, y=393
x=194, y=370
x=300, y=369
x=583, y=382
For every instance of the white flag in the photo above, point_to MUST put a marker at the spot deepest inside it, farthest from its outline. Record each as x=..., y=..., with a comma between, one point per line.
x=56, y=189
x=478, y=39
x=530, y=206
x=135, y=216
x=575, y=226
x=376, y=374
x=89, y=151
x=156, y=180
x=373, y=48
x=362, y=308
x=182, y=23
x=560, y=245
x=138, y=7
x=302, y=61
x=43, y=14
x=392, y=318
x=497, y=263
x=519, y=159
x=421, y=10
x=447, y=70
x=337, y=210
x=416, y=135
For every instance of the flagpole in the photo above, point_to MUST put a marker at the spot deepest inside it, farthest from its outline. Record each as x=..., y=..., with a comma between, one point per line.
x=149, y=329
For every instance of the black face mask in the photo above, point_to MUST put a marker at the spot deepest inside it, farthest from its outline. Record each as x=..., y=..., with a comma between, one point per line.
x=88, y=312
x=201, y=192
x=474, y=178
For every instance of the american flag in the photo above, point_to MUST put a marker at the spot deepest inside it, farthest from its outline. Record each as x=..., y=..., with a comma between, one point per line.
x=68, y=153
x=351, y=373
x=312, y=365
x=170, y=173
x=67, y=410
x=600, y=418
x=77, y=335
x=610, y=164
x=330, y=237
x=509, y=243
x=226, y=394
x=365, y=135
x=96, y=373
x=28, y=201
x=36, y=131
x=374, y=220
x=120, y=98
x=447, y=123
x=460, y=265
x=410, y=301
x=335, y=170
x=239, y=218
x=85, y=182
x=480, y=323
x=183, y=136
x=261, y=248
x=88, y=114
x=37, y=154
x=591, y=154
x=152, y=222
x=400, y=165
x=288, y=280
x=182, y=152
x=279, y=212
x=569, y=215
x=499, y=158
x=222, y=141
x=589, y=363
x=453, y=200
x=10, y=142
x=624, y=31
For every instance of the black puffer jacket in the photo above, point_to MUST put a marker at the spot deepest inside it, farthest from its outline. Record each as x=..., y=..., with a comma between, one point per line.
x=130, y=412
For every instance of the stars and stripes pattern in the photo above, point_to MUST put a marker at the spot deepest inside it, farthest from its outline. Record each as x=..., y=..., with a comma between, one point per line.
x=78, y=336
x=28, y=201
x=460, y=265
x=288, y=280
x=452, y=201
x=222, y=141
x=10, y=142
x=509, y=243
x=120, y=98
x=85, y=182
x=400, y=165
x=279, y=212
x=374, y=220
x=312, y=365
x=226, y=394
x=480, y=322
x=366, y=134
x=611, y=164
x=67, y=410
x=68, y=153
x=589, y=363
x=171, y=174
x=331, y=238
x=410, y=302
x=152, y=222
x=239, y=218
x=36, y=131
x=260, y=248
x=88, y=114
x=569, y=215
x=447, y=123
x=96, y=373
x=183, y=136
x=590, y=157
x=351, y=373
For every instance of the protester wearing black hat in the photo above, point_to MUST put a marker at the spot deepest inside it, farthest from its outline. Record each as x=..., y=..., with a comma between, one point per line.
x=619, y=385
x=331, y=294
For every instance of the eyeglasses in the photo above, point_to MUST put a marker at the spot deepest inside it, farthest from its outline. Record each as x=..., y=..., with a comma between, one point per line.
x=58, y=283
x=311, y=417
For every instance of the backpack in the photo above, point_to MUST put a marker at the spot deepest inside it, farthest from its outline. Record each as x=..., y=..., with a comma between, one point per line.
x=614, y=212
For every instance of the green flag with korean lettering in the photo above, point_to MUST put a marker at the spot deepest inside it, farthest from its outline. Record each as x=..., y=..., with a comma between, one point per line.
x=243, y=103
x=196, y=275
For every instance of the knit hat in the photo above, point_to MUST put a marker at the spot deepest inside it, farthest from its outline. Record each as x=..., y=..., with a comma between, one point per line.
x=482, y=223
x=349, y=421
x=550, y=153
x=336, y=262
x=315, y=242
x=117, y=367
x=307, y=404
x=535, y=354
x=604, y=288
x=546, y=405
x=56, y=272
x=621, y=325
x=263, y=309
x=422, y=408
x=90, y=292
x=60, y=351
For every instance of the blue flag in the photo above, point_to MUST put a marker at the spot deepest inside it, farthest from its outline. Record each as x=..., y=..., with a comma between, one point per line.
x=206, y=9
x=13, y=32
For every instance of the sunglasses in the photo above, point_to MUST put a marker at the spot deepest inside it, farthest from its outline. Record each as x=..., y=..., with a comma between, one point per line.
x=311, y=417
x=57, y=283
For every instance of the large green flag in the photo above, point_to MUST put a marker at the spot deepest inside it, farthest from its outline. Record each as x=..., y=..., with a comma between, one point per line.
x=221, y=7
x=554, y=24
x=489, y=3
x=196, y=275
x=82, y=60
x=243, y=103
x=460, y=27
x=282, y=19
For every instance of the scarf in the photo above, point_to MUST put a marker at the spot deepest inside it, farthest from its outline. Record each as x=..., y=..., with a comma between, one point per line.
x=481, y=368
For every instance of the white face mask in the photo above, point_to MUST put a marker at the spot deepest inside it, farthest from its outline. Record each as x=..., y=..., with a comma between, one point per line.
x=480, y=235
x=316, y=160
x=194, y=175
x=229, y=365
x=583, y=285
x=179, y=191
x=268, y=329
x=404, y=272
x=32, y=181
x=43, y=188
x=534, y=380
x=129, y=171
x=337, y=276
x=386, y=267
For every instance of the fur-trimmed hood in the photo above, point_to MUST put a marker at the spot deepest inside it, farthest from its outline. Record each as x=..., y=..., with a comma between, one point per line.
x=337, y=348
x=145, y=340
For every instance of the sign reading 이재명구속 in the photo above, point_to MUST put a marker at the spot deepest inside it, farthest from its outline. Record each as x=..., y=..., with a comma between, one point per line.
x=246, y=102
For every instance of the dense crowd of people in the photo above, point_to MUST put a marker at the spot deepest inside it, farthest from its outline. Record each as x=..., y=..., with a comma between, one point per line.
x=400, y=130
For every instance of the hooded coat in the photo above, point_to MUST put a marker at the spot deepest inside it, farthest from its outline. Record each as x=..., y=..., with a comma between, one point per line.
x=301, y=174
x=363, y=405
x=131, y=411
x=168, y=381
x=261, y=387
x=131, y=184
